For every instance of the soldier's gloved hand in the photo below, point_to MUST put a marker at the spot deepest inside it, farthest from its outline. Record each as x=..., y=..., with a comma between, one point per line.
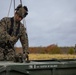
x=25, y=56
x=13, y=38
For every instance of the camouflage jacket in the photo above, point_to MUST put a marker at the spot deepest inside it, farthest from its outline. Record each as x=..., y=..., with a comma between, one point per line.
x=5, y=25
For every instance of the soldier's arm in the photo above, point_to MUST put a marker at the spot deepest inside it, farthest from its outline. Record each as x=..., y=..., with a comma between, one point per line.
x=4, y=36
x=24, y=40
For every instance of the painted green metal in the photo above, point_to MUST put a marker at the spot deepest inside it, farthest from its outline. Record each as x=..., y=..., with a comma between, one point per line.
x=39, y=67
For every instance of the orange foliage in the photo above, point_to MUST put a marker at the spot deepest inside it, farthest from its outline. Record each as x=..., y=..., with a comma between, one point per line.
x=51, y=49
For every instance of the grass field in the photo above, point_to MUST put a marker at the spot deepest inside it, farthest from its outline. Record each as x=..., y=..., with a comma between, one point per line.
x=51, y=56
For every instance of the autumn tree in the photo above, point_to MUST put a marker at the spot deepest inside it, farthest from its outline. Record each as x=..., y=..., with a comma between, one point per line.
x=53, y=49
x=71, y=51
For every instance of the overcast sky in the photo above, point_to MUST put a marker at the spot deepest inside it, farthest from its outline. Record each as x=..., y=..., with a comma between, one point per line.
x=48, y=22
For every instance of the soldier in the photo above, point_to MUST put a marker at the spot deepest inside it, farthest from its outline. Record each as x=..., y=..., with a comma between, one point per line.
x=11, y=29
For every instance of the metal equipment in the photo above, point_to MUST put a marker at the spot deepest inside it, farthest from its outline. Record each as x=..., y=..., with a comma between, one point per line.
x=39, y=67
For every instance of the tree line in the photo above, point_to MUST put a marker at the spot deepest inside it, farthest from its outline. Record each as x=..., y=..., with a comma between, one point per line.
x=51, y=49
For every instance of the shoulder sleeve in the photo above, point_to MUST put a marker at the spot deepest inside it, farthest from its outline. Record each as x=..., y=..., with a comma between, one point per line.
x=4, y=36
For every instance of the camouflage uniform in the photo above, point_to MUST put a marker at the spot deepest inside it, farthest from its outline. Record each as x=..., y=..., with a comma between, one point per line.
x=5, y=25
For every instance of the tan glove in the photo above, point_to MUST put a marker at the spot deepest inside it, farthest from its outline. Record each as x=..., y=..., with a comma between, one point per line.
x=13, y=38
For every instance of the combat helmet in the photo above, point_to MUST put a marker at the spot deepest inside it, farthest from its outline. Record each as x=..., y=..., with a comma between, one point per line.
x=22, y=10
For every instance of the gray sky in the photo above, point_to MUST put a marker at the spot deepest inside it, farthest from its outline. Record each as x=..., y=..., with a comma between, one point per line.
x=48, y=22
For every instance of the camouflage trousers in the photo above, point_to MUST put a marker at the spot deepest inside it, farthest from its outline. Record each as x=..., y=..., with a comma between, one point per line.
x=6, y=55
